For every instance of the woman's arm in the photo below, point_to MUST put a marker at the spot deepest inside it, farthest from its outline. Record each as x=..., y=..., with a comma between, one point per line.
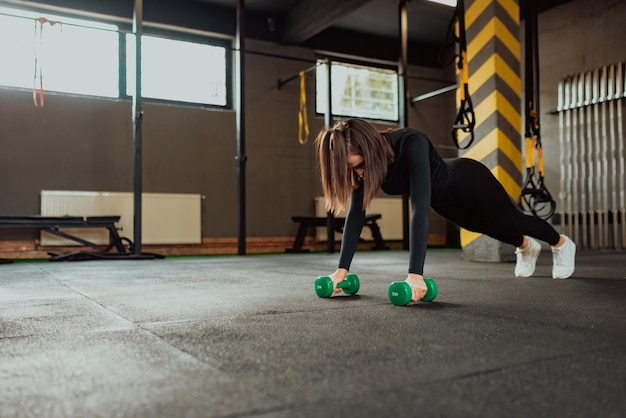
x=355, y=219
x=417, y=154
x=418, y=159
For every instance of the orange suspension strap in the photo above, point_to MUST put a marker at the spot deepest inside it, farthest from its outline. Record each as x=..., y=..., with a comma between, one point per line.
x=303, y=120
x=38, y=92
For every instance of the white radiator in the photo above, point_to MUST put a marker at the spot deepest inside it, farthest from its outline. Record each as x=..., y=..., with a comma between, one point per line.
x=390, y=224
x=167, y=218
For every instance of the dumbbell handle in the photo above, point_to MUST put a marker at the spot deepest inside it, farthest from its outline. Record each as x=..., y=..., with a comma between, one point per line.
x=432, y=291
x=350, y=284
x=324, y=285
x=400, y=292
x=343, y=285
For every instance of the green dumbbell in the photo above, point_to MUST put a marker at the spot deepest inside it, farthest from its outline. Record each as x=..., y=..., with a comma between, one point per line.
x=324, y=285
x=400, y=293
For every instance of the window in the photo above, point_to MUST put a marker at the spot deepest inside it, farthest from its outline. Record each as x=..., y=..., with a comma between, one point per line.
x=75, y=56
x=78, y=56
x=358, y=91
x=178, y=70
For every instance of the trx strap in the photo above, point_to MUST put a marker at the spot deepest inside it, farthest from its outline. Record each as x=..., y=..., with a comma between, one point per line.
x=465, y=119
x=303, y=121
x=38, y=92
x=534, y=197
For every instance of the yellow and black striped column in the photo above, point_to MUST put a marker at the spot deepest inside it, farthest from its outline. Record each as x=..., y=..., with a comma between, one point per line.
x=493, y=50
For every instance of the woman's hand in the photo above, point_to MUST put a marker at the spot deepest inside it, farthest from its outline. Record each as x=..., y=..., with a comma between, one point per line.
x=418, y=286
x=337, y=277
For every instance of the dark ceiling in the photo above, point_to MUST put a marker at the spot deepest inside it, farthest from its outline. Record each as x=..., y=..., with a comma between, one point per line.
x=367, y=28
x=364, y=28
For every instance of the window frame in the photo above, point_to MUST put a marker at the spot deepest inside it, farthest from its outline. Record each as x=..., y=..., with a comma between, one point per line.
x=172, y=34
x=124, y=28
x=363, y=63
x=65, y=14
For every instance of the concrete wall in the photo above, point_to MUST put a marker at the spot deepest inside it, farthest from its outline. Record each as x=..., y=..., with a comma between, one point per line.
x=575, y=37
x=82, y=143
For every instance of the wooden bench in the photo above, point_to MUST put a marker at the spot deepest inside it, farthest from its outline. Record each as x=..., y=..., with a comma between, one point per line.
x=306, y=222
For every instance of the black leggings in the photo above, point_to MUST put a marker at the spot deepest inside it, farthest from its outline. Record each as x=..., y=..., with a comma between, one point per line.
x=476, y=201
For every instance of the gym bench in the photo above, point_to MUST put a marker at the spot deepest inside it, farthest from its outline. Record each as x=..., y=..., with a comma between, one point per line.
x=306, y=222
x=52, y=225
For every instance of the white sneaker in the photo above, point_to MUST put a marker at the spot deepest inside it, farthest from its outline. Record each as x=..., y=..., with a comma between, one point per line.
x=563, y=259
x=527, y=258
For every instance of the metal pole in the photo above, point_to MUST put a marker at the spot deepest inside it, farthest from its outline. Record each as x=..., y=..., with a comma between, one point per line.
x=402, y=106
x=605, y=161
x=568, y=154
x=281, y=83
x=561, y=110
x=574, y=146
x=620, y=94
x=241, y=125
x=535, y=62
x=137, y=125
x=595, y=90
x=328, y=121
x=583, y=158
x=590, y=160
x=612, y=102
x=434, y=93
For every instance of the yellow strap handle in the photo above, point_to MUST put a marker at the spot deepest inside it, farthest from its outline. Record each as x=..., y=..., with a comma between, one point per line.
x=463, y=74
x=530, y=152
x=531, y=145
x=540, y=157
x=303, y=121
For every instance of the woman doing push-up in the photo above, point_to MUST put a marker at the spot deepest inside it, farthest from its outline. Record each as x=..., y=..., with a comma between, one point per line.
x=357, y=160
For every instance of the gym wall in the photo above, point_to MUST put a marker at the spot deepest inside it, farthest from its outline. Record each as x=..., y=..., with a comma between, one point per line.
x=575, y=37
x=83, y=143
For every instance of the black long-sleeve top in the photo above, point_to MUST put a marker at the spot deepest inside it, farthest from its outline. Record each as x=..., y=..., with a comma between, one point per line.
x=417, y=170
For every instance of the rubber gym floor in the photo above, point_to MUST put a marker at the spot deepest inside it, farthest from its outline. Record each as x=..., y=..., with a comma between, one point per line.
x=247, y=337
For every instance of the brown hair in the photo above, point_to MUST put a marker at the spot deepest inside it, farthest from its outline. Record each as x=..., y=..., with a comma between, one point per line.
x=355, y=136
